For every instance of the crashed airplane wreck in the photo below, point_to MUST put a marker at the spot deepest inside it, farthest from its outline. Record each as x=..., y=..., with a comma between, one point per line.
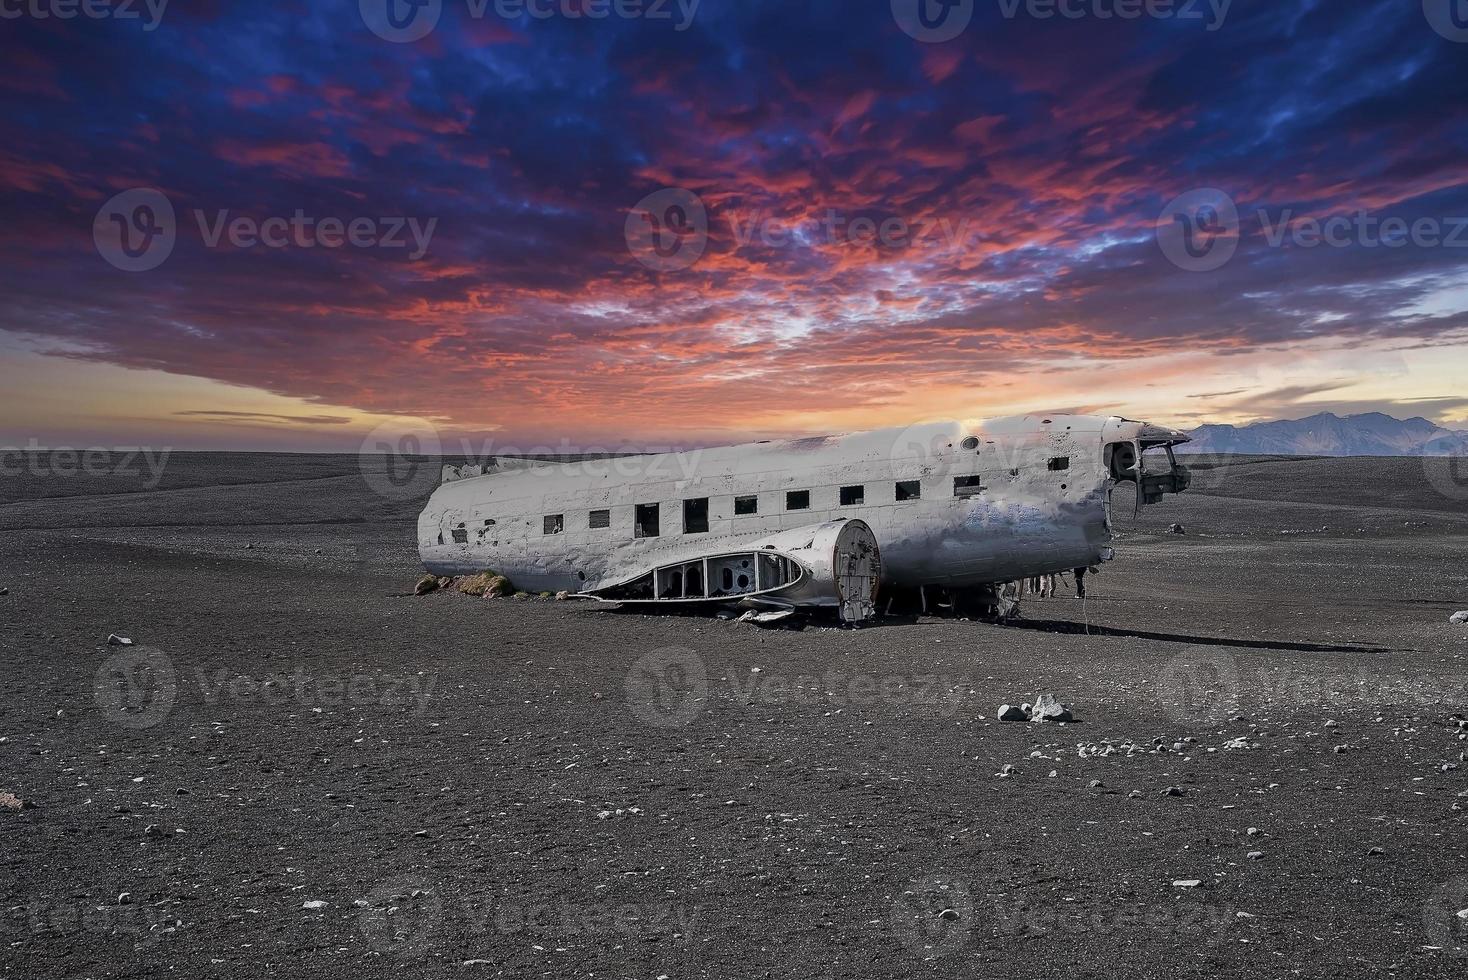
x=954, y=513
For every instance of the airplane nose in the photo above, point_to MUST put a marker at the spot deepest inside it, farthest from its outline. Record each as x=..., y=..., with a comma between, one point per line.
x=1161, y=435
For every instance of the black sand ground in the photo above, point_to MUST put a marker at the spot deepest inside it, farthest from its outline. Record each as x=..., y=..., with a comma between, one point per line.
x=534, y=788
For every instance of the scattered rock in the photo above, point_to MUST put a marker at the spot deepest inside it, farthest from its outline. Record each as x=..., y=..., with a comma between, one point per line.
x=1240, y=743
x=9, y=801
x=1253, y=831
x=1463, y=914
x=1135, y=794
x=1008, y=712
x=1187, y=883
x=113, y=640
x=153, y=830
x=949, y=915
x=315, y=903
x=1173, y=791
x=1005, y=771
x=1177, y=529
x=488, y=585
x=1341, y=749
x=126, y=898
x=4, y=591
x=1255, y=855
x=1048, y=708
x=1376, y=852
x=426, y=584
x=765, y=618
x=1457, y=618
x=1097, y=784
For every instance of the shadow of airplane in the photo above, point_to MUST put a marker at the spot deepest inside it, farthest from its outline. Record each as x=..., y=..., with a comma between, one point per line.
x=1062, y=626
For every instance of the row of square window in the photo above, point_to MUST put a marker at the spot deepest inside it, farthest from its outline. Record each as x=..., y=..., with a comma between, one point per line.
x=696, y=511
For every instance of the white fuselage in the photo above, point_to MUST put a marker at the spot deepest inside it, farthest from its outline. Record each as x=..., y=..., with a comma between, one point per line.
x=1041, y=504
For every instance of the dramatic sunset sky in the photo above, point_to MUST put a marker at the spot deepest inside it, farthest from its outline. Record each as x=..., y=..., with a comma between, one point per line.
x=1030, y=160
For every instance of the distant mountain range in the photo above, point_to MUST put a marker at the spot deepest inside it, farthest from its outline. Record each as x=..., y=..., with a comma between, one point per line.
x=1373, y=434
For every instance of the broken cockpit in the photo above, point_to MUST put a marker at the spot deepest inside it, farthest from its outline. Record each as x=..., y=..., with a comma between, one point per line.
x=1141, y=453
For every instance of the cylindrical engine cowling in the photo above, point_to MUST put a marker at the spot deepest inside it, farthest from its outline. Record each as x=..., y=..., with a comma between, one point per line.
x=842, y=565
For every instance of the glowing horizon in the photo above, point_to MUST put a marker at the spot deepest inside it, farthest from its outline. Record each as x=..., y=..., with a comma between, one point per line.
x=479, y=228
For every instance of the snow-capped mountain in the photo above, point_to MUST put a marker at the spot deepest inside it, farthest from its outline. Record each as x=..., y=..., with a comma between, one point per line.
x=1326, y=434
